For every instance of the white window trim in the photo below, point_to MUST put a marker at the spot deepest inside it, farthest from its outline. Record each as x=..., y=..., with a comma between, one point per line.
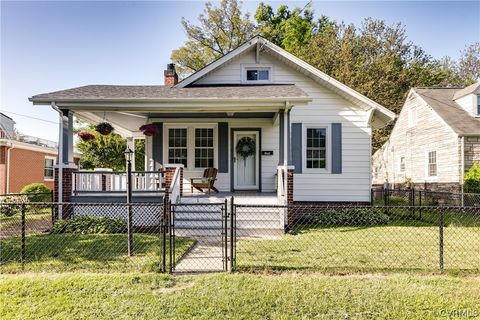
x=477, y=106
x=54, y=163
x=328, y=149
x=191, y=142
x=427, y=173
x=245, y=67
x=400, y=164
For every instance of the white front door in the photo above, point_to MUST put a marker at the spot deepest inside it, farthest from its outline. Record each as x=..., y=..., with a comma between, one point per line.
x=246, y=170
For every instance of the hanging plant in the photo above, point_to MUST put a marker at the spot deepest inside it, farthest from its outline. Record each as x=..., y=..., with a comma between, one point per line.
x=149, y=129
x=104, y=128
x=86, y=136
x=246, y=147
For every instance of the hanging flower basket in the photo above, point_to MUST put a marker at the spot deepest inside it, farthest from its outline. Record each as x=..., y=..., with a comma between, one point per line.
x=86, y=136
x=246, y=147
x=104, y=128
x=149, y=129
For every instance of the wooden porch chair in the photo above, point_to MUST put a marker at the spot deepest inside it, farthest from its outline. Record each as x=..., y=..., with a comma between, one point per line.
x=207, y=181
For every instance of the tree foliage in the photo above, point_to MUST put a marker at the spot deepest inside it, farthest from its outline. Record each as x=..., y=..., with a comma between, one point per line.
x=107, y=151
x=472, y=179
x=374, y=58
x=221, y=30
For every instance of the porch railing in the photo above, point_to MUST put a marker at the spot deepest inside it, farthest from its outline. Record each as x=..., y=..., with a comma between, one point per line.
x=175, y=186
x=115, y=181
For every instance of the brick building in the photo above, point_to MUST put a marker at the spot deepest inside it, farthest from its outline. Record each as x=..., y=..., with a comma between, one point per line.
x=24, y=159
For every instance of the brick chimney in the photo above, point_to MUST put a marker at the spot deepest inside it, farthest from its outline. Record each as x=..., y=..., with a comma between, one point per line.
x=170, y=75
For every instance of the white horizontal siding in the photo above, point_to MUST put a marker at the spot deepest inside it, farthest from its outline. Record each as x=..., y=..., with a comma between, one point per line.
x=430, y=133
x=327, y=107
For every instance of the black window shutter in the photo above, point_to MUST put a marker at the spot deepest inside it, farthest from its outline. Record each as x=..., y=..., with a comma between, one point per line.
x=336, y=148
x=296, y=143
x=223, y=147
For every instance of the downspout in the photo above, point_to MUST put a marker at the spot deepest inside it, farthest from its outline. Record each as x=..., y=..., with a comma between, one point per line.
x=7, y=189
x=60, y=160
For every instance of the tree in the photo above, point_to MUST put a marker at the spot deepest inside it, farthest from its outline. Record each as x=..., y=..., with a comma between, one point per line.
x=107, y=151
x=221, y=30
x=289, y=29
x=469, y=63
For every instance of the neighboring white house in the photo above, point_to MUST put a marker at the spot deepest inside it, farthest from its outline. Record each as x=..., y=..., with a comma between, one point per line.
x=435, y=139
x=298, y=117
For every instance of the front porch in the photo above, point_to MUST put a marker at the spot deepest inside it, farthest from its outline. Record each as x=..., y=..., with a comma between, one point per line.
x=151, y=186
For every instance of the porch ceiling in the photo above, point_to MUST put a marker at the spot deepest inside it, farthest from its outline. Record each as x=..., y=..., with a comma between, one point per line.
x=127, y=123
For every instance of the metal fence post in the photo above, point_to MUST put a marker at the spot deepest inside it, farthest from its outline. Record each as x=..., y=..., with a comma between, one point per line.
x=171, y=222
x=52, y=208
x=232, y=235
x=24, y=238
x=441, y=246
x=163, y=231
x=225, y=239
x=412, y=201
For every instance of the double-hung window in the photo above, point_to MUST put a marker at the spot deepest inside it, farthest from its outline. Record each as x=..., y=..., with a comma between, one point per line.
x=203, y=147
x=402, y=164
x=177, y=146
x=432, y=164
x=48, y=168
x=316, y=148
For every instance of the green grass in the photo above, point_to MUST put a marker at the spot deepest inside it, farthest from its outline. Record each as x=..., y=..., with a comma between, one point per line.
x=236, y=296
x=32, y=216
x=368, y=249
x=87, y=253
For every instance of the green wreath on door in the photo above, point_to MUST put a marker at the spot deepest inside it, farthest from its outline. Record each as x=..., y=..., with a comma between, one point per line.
x=246, y=147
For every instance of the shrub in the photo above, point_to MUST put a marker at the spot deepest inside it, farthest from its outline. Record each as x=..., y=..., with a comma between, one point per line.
x=37, y=192
x=472, y=179
x=350, y=217
x=90, y=225
x=7, y=208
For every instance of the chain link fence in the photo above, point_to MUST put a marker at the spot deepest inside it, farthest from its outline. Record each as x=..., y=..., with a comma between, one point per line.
x=360, y=239
x=157, y=237
x=90, y=237
x=414, y=197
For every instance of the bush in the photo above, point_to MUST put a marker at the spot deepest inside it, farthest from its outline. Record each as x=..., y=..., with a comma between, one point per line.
x=7, y=208
x=37, y=192
x=350, y=217
x=90, y=225
x=472, y=179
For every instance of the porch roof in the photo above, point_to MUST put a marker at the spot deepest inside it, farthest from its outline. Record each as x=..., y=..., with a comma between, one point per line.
x=158, y=93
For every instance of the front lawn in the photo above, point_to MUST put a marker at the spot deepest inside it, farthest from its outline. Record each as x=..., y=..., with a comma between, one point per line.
x=237, y=296
x=365, y=249
x=86, y=253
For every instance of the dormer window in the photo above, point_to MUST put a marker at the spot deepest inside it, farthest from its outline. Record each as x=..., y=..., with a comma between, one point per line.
x=412, y=117
x=257, y=74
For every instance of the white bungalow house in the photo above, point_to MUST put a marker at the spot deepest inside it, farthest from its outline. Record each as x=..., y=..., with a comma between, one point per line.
x=300, y=119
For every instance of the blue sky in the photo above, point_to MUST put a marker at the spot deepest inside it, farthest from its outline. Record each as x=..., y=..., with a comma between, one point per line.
x=48, y=46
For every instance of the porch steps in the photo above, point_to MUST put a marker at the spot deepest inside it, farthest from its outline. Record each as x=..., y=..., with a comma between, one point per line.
x=196, y=216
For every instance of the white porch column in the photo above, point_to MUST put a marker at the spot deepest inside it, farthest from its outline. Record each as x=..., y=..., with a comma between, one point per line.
x=66, y=141
x=131, y=145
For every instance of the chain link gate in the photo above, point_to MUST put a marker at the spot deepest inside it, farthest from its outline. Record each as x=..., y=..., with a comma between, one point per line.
x=210, y=226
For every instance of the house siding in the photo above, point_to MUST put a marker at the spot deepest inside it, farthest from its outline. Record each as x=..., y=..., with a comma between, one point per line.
x=26, y=166
x=468, y=103
x=430, y=133
x=327, y=107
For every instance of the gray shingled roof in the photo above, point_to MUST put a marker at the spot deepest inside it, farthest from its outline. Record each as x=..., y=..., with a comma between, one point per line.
x=441, y=101
x=468, y=90
x=114, y=92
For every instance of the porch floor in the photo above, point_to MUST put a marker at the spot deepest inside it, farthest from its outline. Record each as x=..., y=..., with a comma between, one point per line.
x=240, y=197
